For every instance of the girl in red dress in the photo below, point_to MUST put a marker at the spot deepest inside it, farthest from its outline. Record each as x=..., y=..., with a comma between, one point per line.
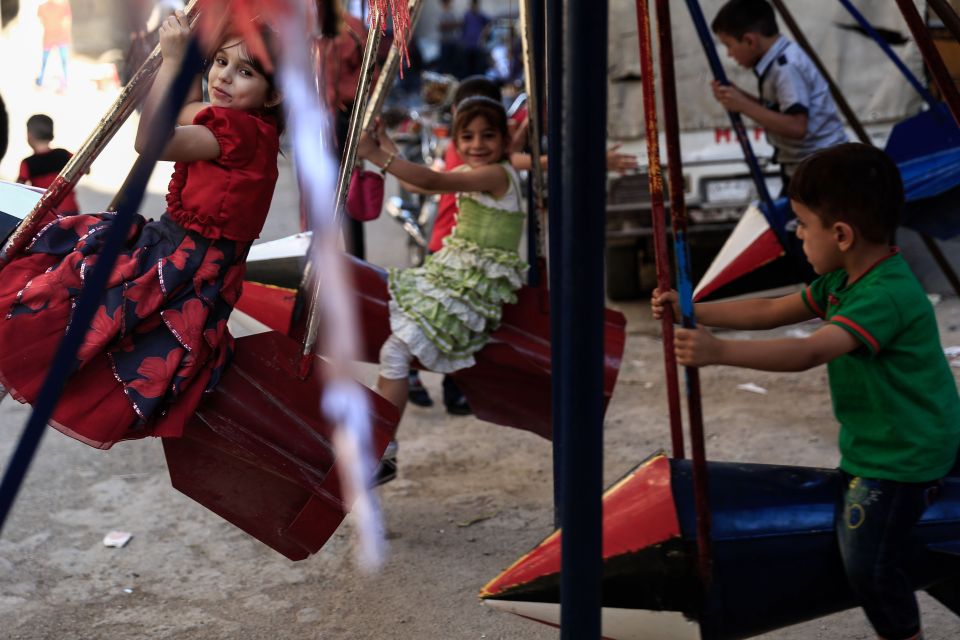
x=159, y=339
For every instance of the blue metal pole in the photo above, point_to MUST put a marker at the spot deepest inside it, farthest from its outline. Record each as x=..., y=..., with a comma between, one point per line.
x=582, y=236
x=89, y=300
x=894, y=58
x=736, y=121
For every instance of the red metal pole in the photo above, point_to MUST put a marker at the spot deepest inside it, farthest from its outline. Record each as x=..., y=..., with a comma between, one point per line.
x=946, y=13
x=658, y=215
x=931, y=56
x=678, y=220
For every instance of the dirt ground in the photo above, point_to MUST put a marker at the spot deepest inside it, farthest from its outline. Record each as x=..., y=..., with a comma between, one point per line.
x=470, y=499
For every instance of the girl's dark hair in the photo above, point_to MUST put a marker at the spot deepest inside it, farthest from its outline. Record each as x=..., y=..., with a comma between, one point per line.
x=328, y=15
x=740, y=17
x=853, y=183
x=472, y=108
x=269, y=38
x=477, y=86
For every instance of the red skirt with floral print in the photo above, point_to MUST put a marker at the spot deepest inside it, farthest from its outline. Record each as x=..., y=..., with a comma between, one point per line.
x=158, y=341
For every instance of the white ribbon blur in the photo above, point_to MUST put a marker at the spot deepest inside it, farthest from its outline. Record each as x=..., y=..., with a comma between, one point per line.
x=345, y=402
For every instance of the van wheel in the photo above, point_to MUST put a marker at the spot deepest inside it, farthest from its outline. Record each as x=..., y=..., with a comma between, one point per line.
x=623, y=272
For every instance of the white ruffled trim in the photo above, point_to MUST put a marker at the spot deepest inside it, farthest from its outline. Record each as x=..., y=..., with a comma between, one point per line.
x=422, y=347
x=466, y=314
x=465, y=259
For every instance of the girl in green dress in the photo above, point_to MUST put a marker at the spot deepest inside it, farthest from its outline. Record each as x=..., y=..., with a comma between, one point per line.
x=443, y=312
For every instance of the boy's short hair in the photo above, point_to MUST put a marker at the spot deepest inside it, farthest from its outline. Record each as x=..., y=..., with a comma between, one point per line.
x=477, y=86
x=853, y=183
x=40, y=126
x=739, y=17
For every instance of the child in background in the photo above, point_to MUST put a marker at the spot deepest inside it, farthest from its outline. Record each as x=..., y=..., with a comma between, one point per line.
x=159, y=340
x=443, y=312
x=46, y=163
x=893, y=392
x=794, y=105
x=339, y=55
x=57, y=21
x=447, y=210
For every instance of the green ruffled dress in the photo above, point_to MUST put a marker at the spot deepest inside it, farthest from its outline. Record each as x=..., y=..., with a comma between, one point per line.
x=445, y=310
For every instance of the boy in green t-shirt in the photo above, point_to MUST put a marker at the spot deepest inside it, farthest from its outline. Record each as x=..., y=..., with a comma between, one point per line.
x=893, y=392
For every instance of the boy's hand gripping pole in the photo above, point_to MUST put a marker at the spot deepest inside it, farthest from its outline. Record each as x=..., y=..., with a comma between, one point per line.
x=678, y=218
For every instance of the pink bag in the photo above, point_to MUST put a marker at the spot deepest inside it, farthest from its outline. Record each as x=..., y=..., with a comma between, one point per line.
x=365, y=195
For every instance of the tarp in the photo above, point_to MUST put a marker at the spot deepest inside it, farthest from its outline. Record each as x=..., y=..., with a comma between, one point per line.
x=932, y=186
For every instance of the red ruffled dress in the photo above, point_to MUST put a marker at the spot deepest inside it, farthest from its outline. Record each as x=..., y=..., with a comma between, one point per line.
x=159, y=339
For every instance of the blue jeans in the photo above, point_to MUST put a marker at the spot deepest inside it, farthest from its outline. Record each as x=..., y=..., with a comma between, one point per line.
x=874, y=527
x=63, y=62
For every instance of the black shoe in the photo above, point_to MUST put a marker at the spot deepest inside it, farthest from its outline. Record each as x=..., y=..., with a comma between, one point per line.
x=459, y=408
x=453, y=398
x=417, y=393
x=387, y=469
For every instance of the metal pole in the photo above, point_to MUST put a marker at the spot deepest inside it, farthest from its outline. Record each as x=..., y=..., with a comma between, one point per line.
x=347, y=162
x=388, y=74
x=584, y=197
x=942, y=262
x=838, y=97
x=63, y=184
x=558, y=380
x=912, y=79
x=736, y=121
x=533, y=43
x=949, y=91
x=531, y=80
x=932, y=57
x=678, y=218
x=658, y=215
x=946, y=13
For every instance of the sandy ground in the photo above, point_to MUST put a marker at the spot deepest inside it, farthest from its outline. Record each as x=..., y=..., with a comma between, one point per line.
x=470, y=499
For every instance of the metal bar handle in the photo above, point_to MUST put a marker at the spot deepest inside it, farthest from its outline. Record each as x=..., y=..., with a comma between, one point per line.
x=63, y=184
x=347, y=163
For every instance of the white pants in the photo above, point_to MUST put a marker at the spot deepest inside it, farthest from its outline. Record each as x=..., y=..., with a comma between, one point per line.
x=395, y=358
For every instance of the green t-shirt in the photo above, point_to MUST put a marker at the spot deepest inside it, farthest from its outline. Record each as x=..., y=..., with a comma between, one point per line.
x=895, y=396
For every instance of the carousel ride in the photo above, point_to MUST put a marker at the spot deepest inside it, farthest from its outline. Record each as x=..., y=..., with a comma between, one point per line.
x=754, y=548
x=750, y=551
x=260, y=451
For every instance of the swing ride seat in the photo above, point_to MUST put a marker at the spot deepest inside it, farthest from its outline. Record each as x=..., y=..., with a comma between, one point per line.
x=258, y=452
x=931, y=185
x=16, y=201
x=511, y=382
x=776, y=561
